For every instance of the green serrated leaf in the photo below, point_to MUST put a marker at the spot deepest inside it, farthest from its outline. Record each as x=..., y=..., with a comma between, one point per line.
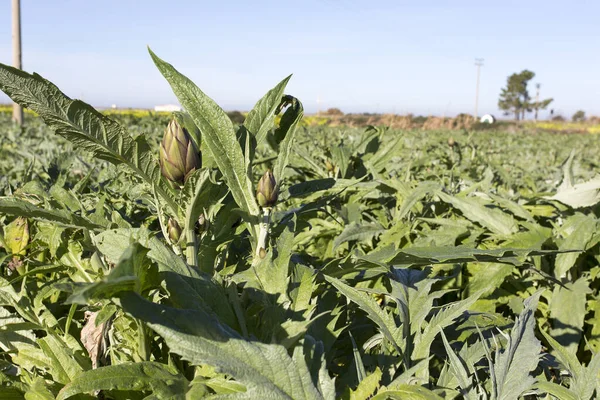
x=367, y=387
x=64, y=368
x=475, y=210
x=51, y=235
x=579, y=232
x=406, y=392
x=360, y=232
x=85, y=127
x=415, y=196
x=514, y=364
x=218, y=135
x=568, y=309
x=287, y=128
x=164, y=381
x=260, y=119
x=265, y=369
x=15, y=206
x=384, y=320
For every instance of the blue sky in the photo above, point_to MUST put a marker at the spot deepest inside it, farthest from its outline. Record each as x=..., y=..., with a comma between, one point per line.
x=374, y=56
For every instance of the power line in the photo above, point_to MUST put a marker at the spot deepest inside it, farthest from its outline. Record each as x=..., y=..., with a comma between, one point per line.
x=478, y=63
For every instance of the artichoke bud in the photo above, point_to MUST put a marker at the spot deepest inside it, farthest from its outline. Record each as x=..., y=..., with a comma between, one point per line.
x=178, y=154
x=451, y=142
x=174, y=230
x=267, y=190
x=329, y=166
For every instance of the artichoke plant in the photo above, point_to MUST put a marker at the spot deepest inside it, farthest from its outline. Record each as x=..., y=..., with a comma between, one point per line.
x=267, y=190
x=178, y=156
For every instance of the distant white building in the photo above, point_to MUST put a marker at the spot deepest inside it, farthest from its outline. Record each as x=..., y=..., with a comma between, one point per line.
x=167, y=108
x=488, y=119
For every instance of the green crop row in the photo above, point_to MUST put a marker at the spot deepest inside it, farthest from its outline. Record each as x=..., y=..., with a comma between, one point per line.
x=147, y=256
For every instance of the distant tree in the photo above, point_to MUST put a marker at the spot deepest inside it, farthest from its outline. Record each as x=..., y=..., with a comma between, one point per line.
x=579, y=116
x=334, y=111
x=558, y=118
x=515, y=99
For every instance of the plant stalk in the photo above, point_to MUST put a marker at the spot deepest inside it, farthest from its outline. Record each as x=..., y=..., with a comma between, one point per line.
x=263, y=233
x=191, y=250
x=143, y=348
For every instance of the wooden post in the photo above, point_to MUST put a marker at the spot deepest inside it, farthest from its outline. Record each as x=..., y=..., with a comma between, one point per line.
x=16, y=42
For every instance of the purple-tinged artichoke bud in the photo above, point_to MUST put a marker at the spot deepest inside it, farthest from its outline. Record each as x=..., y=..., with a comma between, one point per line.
x=178, y=154
x=174, y=230
x=267, y=190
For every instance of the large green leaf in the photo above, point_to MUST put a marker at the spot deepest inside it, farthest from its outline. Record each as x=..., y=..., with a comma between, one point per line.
x=583, y=379
x=359, y=232
x=217, y=133
x=367, y=386
x=266, y=369
x=558, y=391
x=38, y=391
x=421, y=256
x=385, y=321
x=199, y=194
x=580, y=195
x=23, y=208
x=164, y=381
x=515, y=363
x=14, y=332
x=85, y=127
x=477, y=211
x=132, y=273
x=585, y=194
x=273, y=274
x=381, y=159
x=415, y=195
x=459, y=371
x=260, y=119
x=63, y=366
x=188, y=287
x=579, y=232
x=487, y=277
x=406, y=392
x=288, y=127
x=568, y=309
x=442, y=319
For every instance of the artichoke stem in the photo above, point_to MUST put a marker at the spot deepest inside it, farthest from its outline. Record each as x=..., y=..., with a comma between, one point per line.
x=263, y=233
x=191, y=250
x=143, y=347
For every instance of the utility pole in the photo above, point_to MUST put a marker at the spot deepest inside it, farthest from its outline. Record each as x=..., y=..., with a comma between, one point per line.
x=537, y=100
x=16, y=42
x=478, y=63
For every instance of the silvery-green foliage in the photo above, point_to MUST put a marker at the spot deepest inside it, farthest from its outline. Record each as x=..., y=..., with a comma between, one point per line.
x=394, y=266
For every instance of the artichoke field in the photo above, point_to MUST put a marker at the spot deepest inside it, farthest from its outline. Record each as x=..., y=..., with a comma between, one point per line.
x=187, y=257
